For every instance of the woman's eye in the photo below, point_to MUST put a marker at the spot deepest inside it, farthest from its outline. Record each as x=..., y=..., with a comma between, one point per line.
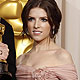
x=30, y=19
x=44, y=20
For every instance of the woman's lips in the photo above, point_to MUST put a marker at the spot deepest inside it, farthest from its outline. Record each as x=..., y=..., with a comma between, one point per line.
x=36, y=32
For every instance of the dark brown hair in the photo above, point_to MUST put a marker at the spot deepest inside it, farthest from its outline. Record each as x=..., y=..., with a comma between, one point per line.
x=52, y=10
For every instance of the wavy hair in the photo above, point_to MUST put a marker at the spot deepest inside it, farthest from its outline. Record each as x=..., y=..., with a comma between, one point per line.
x=52, y=10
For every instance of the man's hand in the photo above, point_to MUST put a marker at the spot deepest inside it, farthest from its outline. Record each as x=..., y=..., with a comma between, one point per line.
x=4, y=51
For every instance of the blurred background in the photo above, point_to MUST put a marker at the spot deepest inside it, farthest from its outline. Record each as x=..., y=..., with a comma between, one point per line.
x=69, y=33
x=10, y=10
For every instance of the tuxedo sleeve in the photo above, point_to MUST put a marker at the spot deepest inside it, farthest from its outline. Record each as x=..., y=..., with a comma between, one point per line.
x=8, y=38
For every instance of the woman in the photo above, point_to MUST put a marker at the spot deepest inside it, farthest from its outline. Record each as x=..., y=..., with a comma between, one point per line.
x=46, y=61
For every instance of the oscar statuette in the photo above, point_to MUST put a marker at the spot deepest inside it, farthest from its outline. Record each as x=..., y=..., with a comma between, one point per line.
x=4, y=74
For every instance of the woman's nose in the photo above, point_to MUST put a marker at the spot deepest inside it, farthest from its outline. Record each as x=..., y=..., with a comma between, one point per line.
x=36, y=25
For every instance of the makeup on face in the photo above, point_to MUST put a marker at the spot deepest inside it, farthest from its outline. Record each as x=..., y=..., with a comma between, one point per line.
x=38, y=25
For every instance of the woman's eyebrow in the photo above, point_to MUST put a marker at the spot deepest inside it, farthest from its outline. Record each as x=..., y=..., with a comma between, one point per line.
x=44, y=17
x=41, y=16
x=30, y=16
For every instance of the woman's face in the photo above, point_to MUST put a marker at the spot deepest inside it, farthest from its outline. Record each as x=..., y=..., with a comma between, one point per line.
x=38, y=25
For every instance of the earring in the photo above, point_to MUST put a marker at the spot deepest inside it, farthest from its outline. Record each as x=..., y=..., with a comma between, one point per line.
x=53, y=29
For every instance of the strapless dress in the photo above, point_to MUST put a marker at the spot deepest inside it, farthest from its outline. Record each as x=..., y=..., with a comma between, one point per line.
x=62, y=72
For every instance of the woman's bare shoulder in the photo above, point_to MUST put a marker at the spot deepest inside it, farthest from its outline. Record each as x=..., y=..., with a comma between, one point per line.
x=64, y=56
x=20, y=59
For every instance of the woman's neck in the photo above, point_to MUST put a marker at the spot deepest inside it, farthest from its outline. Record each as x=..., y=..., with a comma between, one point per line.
x=45, y=44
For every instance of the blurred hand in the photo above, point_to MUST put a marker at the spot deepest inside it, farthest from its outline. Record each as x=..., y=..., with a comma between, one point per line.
x=4, y=51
